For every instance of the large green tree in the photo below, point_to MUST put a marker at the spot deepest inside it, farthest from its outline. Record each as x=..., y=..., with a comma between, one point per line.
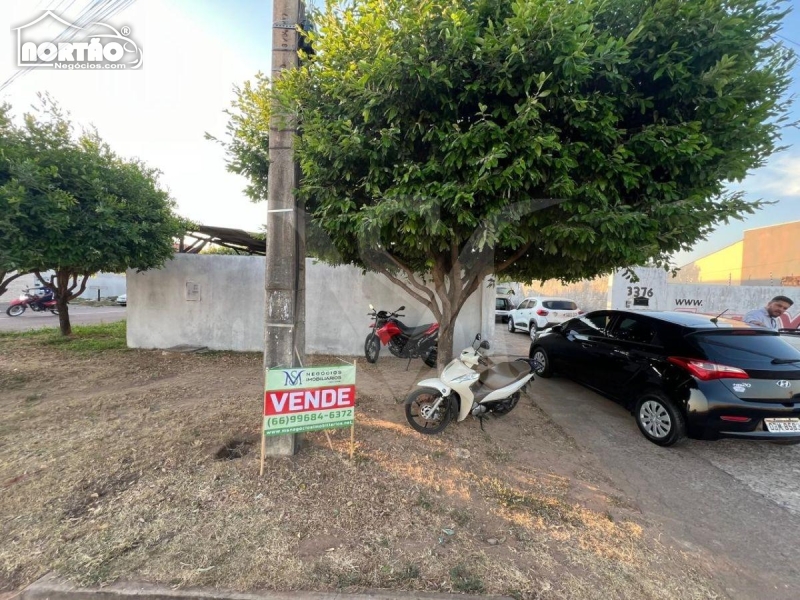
x=70, y=207
x=8, y=271
x=442, y=141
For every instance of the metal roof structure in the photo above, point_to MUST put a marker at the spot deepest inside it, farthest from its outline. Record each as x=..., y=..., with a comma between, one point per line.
x=238, y=240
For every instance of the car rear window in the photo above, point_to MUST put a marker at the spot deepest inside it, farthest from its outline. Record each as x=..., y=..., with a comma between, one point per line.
x=748, y=351
x=560, y=305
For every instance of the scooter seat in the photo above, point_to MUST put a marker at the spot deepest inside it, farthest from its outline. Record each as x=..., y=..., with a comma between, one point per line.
x=504, y=374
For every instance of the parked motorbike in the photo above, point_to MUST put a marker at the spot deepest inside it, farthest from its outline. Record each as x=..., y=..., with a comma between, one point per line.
x=471, y=384
x=402, y=341
x=30, y=300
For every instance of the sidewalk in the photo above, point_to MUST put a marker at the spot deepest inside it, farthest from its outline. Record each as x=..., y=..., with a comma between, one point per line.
x=50, y=587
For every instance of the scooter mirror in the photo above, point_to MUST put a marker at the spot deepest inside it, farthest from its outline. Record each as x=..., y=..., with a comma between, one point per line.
x=485, y=345
x=402, y=308
x=371, y=307
x=478, y=337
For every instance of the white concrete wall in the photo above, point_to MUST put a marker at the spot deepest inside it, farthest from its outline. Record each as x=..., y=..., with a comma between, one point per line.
x=218, y=301
x=655, y=284
x=110, y=285
x=663, y=293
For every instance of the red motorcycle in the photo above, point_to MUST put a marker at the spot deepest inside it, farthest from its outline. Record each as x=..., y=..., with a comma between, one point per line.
x=403, y=342
x=28, y=299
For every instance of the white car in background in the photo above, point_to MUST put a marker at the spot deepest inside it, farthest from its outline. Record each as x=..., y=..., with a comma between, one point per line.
x=536, y=313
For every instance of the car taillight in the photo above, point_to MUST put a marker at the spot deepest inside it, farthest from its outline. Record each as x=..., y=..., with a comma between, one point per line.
x=707, y=371
x=542, y=312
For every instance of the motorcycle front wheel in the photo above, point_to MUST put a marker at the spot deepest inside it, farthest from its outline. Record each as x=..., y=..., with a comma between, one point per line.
x=372, y=348
x=16, y=310
x=420, y=414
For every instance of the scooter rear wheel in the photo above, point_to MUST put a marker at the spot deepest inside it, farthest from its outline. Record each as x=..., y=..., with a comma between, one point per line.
x=419, y=415
x=16, y=310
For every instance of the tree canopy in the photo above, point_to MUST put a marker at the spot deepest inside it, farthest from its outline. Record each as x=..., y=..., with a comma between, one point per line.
x=535, y=138
x=70, y=205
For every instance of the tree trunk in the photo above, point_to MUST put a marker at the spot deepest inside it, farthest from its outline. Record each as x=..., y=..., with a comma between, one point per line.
x=64, y=291
x=445, y=344
x=63, y=315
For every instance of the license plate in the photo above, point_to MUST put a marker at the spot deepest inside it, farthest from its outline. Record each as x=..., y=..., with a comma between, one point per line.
x=782, y=425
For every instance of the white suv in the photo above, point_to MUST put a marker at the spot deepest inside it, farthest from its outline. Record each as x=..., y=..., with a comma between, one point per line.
x=537, y=313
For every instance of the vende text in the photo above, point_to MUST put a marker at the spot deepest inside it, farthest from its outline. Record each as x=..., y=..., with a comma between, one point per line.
x=292, y=401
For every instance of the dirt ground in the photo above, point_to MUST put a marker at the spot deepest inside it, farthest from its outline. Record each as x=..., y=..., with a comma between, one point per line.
x=144, y=465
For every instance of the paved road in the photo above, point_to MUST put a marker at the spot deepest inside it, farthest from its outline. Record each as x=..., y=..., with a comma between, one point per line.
x=739, y=501
x=78, y=315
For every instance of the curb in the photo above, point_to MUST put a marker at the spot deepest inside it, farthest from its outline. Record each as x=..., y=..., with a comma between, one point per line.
x=51, y=587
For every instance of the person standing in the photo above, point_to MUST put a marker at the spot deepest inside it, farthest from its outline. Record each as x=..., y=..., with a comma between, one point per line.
x=769, y=315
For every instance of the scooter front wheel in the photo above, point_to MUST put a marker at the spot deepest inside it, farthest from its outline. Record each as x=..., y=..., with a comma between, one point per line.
x=422, y=416
x=16, y=310
x=372, y=348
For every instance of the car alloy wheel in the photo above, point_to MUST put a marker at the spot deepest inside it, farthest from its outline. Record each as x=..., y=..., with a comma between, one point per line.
x=655, y=419
x=540, y=356
x=511, y=328
x=659, y=419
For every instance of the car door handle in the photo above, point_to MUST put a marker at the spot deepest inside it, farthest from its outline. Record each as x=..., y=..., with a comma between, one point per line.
x=621, y=353
x=587, y=344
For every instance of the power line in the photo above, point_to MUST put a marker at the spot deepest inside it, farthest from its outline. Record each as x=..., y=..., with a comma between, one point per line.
x=787, y=39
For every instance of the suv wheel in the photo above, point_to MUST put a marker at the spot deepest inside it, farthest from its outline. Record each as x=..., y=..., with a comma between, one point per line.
x=511, y=328
x=659, y=420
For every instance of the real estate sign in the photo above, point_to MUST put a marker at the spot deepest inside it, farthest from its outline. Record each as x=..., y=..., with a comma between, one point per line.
x=298, y=400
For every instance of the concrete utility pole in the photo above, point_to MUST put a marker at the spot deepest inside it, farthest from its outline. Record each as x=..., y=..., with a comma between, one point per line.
x=284, y=327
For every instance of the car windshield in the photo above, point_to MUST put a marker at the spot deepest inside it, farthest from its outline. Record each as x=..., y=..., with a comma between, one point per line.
x=748, y=350
x=560, y=305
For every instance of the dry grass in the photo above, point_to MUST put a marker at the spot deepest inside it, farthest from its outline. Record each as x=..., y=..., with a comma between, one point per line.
x=117, y=468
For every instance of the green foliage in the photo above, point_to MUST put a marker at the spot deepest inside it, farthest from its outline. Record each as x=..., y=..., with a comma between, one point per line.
x=70, y=205
x=422, y=122
x=535, y=138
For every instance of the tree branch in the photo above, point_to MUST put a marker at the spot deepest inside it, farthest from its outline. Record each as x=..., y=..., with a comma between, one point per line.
x=410, y=291
x=82, y=289
x=514, y=257
x=4, y=283
x=411, y=279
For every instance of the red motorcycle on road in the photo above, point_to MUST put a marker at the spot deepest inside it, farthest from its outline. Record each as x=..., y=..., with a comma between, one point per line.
x=403, y=342
x=29, y=299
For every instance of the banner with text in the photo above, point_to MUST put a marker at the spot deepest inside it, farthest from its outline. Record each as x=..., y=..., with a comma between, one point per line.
x=299, y=400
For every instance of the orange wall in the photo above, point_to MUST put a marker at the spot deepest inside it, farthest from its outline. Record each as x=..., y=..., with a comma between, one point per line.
x=771, y=253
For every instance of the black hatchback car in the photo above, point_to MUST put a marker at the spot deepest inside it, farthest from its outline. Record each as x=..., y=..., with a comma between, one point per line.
x=682, y=374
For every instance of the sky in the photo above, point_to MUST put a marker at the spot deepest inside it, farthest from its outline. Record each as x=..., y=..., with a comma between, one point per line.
x=196, y=51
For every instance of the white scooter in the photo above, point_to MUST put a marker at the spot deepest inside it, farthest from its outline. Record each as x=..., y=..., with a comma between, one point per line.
x=470, y=384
